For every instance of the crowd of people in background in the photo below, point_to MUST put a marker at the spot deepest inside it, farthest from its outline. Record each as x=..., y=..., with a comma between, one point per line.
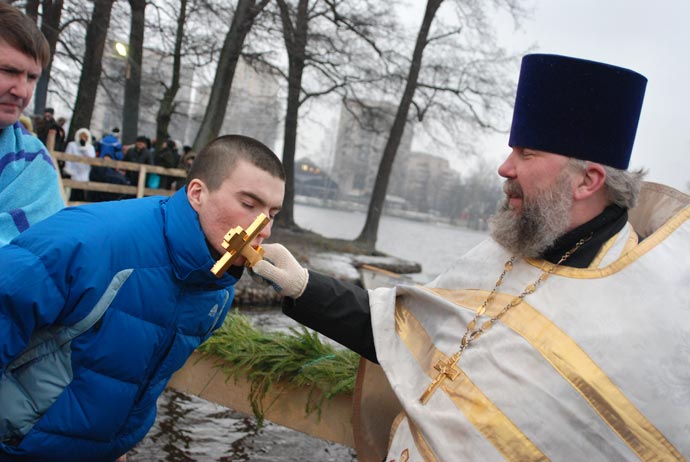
x=172, y=155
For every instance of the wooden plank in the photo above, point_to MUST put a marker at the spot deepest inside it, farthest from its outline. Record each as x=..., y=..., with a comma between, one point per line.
x=203, y=376
x=120, y=164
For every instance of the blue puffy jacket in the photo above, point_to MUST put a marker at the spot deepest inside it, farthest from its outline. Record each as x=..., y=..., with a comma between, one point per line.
x=145, y=264
x=110, y=145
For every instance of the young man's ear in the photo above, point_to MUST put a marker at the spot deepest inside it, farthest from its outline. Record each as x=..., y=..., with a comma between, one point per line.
x=592, y=180
x=196, y=193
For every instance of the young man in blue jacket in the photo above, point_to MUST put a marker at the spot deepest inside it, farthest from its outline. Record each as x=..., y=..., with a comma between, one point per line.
x=100, y=304
x=29, y=189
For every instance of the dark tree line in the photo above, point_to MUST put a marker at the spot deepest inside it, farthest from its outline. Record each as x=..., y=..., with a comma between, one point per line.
x=453, y=73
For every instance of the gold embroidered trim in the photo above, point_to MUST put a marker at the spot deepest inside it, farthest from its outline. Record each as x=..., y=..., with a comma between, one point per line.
x=578, y=369
x=632, y=241
x=603, y=251
x=629, y=257
x=421, y=444
x=394, y=428
x=486, y=417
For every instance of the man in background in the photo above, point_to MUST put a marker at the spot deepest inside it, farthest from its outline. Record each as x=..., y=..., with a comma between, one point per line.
x=29, y=188
x=140, y=153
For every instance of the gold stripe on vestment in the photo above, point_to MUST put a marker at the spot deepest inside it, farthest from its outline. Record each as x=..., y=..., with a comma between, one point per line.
x=630, y=242
x=486, y=417
x=577, y=368
x=420, y=443
x=627, y=258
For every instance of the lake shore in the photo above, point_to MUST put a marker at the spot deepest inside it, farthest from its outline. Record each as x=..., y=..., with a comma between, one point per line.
x=338, y=258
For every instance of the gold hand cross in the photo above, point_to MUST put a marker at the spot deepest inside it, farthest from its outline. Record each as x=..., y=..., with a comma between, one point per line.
x=237, y=242
x=446, y=370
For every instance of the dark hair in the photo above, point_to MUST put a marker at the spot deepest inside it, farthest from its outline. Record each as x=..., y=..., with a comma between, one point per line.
x=20, y=32
x=215, y=160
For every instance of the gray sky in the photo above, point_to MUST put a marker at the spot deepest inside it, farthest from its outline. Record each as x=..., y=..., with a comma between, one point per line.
x=650, y=37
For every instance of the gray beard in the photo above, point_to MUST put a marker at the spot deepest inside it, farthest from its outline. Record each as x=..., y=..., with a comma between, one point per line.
x=541, y=221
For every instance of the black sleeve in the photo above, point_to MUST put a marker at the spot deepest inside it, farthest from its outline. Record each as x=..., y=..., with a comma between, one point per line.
x=337, y=309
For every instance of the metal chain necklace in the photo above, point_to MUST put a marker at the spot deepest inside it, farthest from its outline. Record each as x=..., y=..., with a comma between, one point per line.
x=447, y=369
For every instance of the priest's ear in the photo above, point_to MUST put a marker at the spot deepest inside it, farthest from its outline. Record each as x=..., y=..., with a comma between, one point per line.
x=591, y=180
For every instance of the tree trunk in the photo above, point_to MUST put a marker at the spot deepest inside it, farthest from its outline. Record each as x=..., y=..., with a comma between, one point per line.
x=130, y=109
x=91, y=68
x=32, y=9
x=296, y=44
x=371, y=226
x=167, y=107
x=245, y=14
x=50, y=26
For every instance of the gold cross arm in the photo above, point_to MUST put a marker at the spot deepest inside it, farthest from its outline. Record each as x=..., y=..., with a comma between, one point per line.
x=446, y=370
x=237, y=242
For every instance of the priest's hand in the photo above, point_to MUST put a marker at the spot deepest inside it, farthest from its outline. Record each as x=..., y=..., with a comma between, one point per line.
x=281, y=270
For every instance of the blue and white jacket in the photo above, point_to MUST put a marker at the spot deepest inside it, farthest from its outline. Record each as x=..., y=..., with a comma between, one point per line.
x=143, y=265
x=29, y=190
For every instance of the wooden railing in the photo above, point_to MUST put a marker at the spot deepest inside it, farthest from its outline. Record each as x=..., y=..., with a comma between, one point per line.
x=140, y=190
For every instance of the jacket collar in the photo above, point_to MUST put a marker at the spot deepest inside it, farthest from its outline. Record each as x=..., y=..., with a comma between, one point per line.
x=189, y=252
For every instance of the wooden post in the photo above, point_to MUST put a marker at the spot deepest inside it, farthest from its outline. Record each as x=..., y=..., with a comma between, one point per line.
x=50, y=145
x=141, y=184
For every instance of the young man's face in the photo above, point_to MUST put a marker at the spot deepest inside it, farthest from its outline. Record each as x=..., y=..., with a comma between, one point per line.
x=19, y=74
x=245, y=193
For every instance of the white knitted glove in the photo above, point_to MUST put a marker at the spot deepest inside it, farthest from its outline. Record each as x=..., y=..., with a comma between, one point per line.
x=280, y=269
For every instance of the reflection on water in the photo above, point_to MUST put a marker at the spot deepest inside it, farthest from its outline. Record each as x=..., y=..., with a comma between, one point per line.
x=191, y=429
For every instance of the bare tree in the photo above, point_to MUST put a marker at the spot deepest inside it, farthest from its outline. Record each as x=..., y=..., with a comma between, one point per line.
x=130, y=111
x=295, y=37
x=50, y=26
x=96, y=33
x=32, y=9
x=464, y=74
x=321, y=36
x=242, y=21
x=167, y=105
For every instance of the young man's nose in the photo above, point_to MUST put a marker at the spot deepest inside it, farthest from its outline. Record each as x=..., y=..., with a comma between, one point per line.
x=265, y=233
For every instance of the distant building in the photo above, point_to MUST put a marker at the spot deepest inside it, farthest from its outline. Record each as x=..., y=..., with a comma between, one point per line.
x=253, y=109
x=362, y=136
x=429, y=182
x=311, y=181
x=156, y=71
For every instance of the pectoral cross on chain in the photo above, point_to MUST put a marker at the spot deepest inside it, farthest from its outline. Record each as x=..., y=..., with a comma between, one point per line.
x=446, y=370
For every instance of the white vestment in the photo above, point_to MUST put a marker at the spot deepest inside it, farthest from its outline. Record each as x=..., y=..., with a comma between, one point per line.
x=593, y=366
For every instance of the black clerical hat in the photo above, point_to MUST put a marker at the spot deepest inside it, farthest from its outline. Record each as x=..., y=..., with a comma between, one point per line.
x=577, y=108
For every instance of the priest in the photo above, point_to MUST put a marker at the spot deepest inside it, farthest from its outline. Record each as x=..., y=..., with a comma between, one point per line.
x=564, y=336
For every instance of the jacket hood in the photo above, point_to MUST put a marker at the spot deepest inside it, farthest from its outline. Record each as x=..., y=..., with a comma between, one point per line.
x=79, y=132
